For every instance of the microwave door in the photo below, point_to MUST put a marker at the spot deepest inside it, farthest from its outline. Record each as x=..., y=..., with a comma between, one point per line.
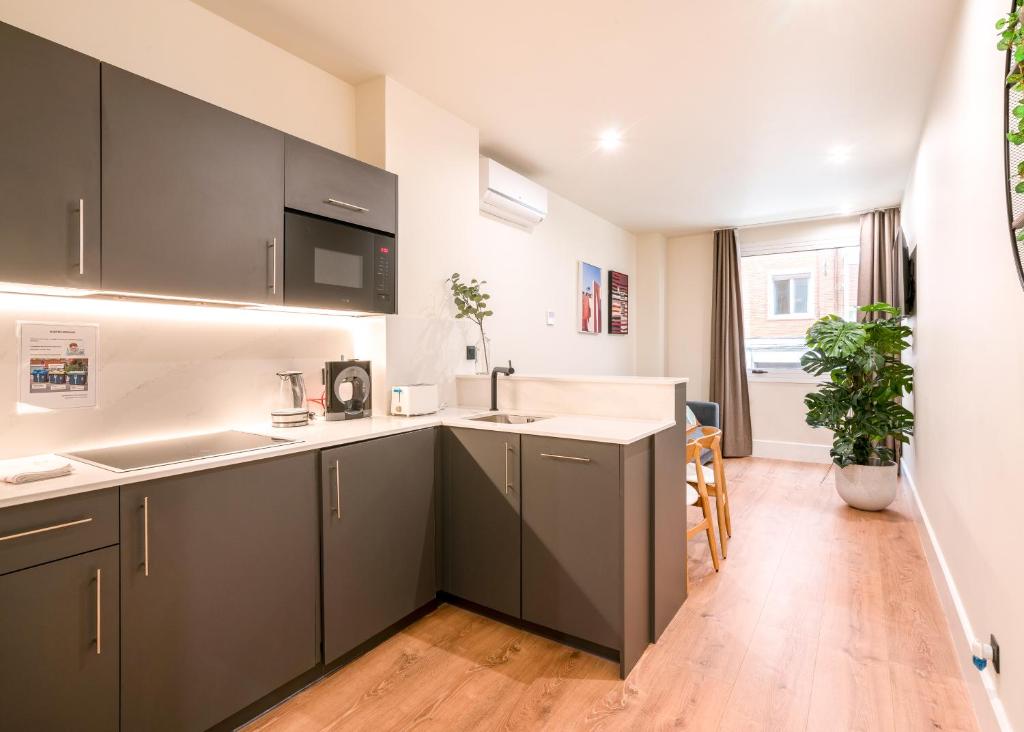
x=327, y=264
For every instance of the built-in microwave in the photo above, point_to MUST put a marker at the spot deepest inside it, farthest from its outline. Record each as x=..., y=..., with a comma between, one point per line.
x=332, y=265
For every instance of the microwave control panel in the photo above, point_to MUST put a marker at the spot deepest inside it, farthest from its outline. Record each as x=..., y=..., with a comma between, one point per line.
x=383, y=273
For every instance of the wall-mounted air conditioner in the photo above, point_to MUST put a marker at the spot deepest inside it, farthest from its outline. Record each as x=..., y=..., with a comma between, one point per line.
x=510, y=197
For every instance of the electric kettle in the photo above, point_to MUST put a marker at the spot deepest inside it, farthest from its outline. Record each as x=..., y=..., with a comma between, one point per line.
x=290, y=408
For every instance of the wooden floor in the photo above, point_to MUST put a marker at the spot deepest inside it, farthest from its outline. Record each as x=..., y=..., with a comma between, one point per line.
x=822, y=618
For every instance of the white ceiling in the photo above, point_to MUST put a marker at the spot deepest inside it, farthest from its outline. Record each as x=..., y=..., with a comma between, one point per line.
x=729, y=107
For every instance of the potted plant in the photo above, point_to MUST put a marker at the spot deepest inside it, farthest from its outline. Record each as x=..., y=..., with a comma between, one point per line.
x=860, y=400
x=471, y=303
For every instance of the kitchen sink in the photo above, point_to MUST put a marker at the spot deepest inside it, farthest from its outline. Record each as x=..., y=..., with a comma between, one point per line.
x=502, y=418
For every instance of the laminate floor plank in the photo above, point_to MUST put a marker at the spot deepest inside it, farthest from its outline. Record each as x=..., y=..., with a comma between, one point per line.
x=821, y=618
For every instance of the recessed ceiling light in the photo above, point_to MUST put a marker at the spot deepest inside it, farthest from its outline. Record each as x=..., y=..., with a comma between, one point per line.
x=610, y=139
x=840, y=154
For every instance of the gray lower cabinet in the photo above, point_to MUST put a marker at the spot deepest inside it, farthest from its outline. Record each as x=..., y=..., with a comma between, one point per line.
x=378, y=507
x=59, y=645
x=49, y=162
x=219, y=590
x=323, y=182
x=587, y=540
x=193, y=196
x=482, y=527
x=572, y=538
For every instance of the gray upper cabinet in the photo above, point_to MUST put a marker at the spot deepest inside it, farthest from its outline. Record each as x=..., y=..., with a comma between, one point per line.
x=378, y=536
x=59, y=645
x=322, y=182
x=482, y=527
x=572, y=538
x=49, y=163
x=219, y=590
x=193, y=196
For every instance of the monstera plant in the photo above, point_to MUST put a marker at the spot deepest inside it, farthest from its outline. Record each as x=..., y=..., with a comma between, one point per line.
x=860, y=400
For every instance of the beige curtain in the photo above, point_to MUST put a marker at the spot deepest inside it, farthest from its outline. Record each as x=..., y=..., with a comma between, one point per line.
x=881, y=277
x=881, y=261
x=728, y=355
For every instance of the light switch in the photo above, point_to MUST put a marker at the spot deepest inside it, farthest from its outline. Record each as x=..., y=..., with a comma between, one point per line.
x=550, y=317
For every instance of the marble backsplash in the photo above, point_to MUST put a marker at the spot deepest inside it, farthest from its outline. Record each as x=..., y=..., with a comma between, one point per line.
x=171, y=369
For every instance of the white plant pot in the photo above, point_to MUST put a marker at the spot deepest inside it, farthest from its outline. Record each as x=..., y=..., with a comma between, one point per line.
x=867, y=487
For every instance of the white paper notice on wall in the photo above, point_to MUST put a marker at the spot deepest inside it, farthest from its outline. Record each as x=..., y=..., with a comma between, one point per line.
x=57, y=365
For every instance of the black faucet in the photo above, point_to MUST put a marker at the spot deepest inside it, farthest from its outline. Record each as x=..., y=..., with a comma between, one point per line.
x=508, y=371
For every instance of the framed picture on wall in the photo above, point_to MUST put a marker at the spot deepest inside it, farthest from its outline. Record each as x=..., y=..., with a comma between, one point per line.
x=590, y=298
x=618, y=303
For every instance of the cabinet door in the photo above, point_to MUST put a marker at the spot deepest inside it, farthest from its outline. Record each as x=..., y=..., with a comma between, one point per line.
x=378, y=536
x=193, y=196
x=59, y=645
x=50, y=170
x=219, y=596
x=481, y=519
x=572, y=538
x=322, y=182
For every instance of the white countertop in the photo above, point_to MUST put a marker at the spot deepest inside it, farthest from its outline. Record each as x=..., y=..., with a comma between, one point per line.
x=321, y=434
x=592, y=379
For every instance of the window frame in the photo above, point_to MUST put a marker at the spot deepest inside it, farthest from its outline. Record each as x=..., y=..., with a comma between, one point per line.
x=790, y=375
x=791, y=274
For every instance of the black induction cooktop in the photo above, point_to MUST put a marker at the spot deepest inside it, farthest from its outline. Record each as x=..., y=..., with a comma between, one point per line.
x=139, y=455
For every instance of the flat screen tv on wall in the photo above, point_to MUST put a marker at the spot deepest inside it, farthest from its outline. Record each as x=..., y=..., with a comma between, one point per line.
x=908, y=275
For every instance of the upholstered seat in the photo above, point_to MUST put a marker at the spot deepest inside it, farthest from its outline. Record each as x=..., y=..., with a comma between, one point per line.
x=691, y=473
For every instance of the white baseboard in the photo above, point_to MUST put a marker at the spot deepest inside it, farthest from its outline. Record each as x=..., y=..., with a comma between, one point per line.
x=982, y=685
x=803, y=452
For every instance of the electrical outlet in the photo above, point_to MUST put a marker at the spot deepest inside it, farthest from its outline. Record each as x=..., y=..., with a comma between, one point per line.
x=995, y=652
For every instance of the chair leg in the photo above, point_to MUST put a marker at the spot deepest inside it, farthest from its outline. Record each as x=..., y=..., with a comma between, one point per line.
x=710, y=530
x=720, y=507
x=728, y=512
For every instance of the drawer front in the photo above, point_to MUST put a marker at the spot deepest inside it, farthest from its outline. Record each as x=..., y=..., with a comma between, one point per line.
x=322, y=182
x=39, y=532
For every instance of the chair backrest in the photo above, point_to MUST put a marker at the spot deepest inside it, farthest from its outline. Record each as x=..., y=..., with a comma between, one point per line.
x=712, y=440
x=693, y=450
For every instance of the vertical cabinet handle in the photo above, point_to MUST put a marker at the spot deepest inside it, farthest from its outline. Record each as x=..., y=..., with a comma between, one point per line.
x=272, y=246
x=337, y=487
x=81, y=236
x=145, y=535
x=99, y=611
x=506, y=470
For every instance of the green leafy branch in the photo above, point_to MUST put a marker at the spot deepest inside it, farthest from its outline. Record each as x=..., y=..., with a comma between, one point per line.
x=1011, y=41
x=860, y=402
x=470, y=300
x=471, y=303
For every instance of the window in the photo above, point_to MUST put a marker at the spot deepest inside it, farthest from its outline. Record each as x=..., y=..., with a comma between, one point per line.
x=790, y=295
x=785, y=291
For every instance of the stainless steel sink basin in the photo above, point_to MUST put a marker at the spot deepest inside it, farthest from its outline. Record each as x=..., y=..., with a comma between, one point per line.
x=502, y=418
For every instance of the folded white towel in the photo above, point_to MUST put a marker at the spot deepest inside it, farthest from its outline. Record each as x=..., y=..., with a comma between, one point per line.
x=40, y=467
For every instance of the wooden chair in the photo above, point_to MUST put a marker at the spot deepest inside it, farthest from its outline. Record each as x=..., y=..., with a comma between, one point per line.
x=699, y=497
x=714, y=480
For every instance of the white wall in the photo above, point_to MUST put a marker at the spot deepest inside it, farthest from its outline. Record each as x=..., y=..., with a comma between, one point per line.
x=649, y=299
x=441, y=231
x=689, y=268
x=969, y=344
x=188, y=48
x=167, y=369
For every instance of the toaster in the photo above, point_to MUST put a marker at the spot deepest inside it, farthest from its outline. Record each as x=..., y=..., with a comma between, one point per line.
x=414, y=399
